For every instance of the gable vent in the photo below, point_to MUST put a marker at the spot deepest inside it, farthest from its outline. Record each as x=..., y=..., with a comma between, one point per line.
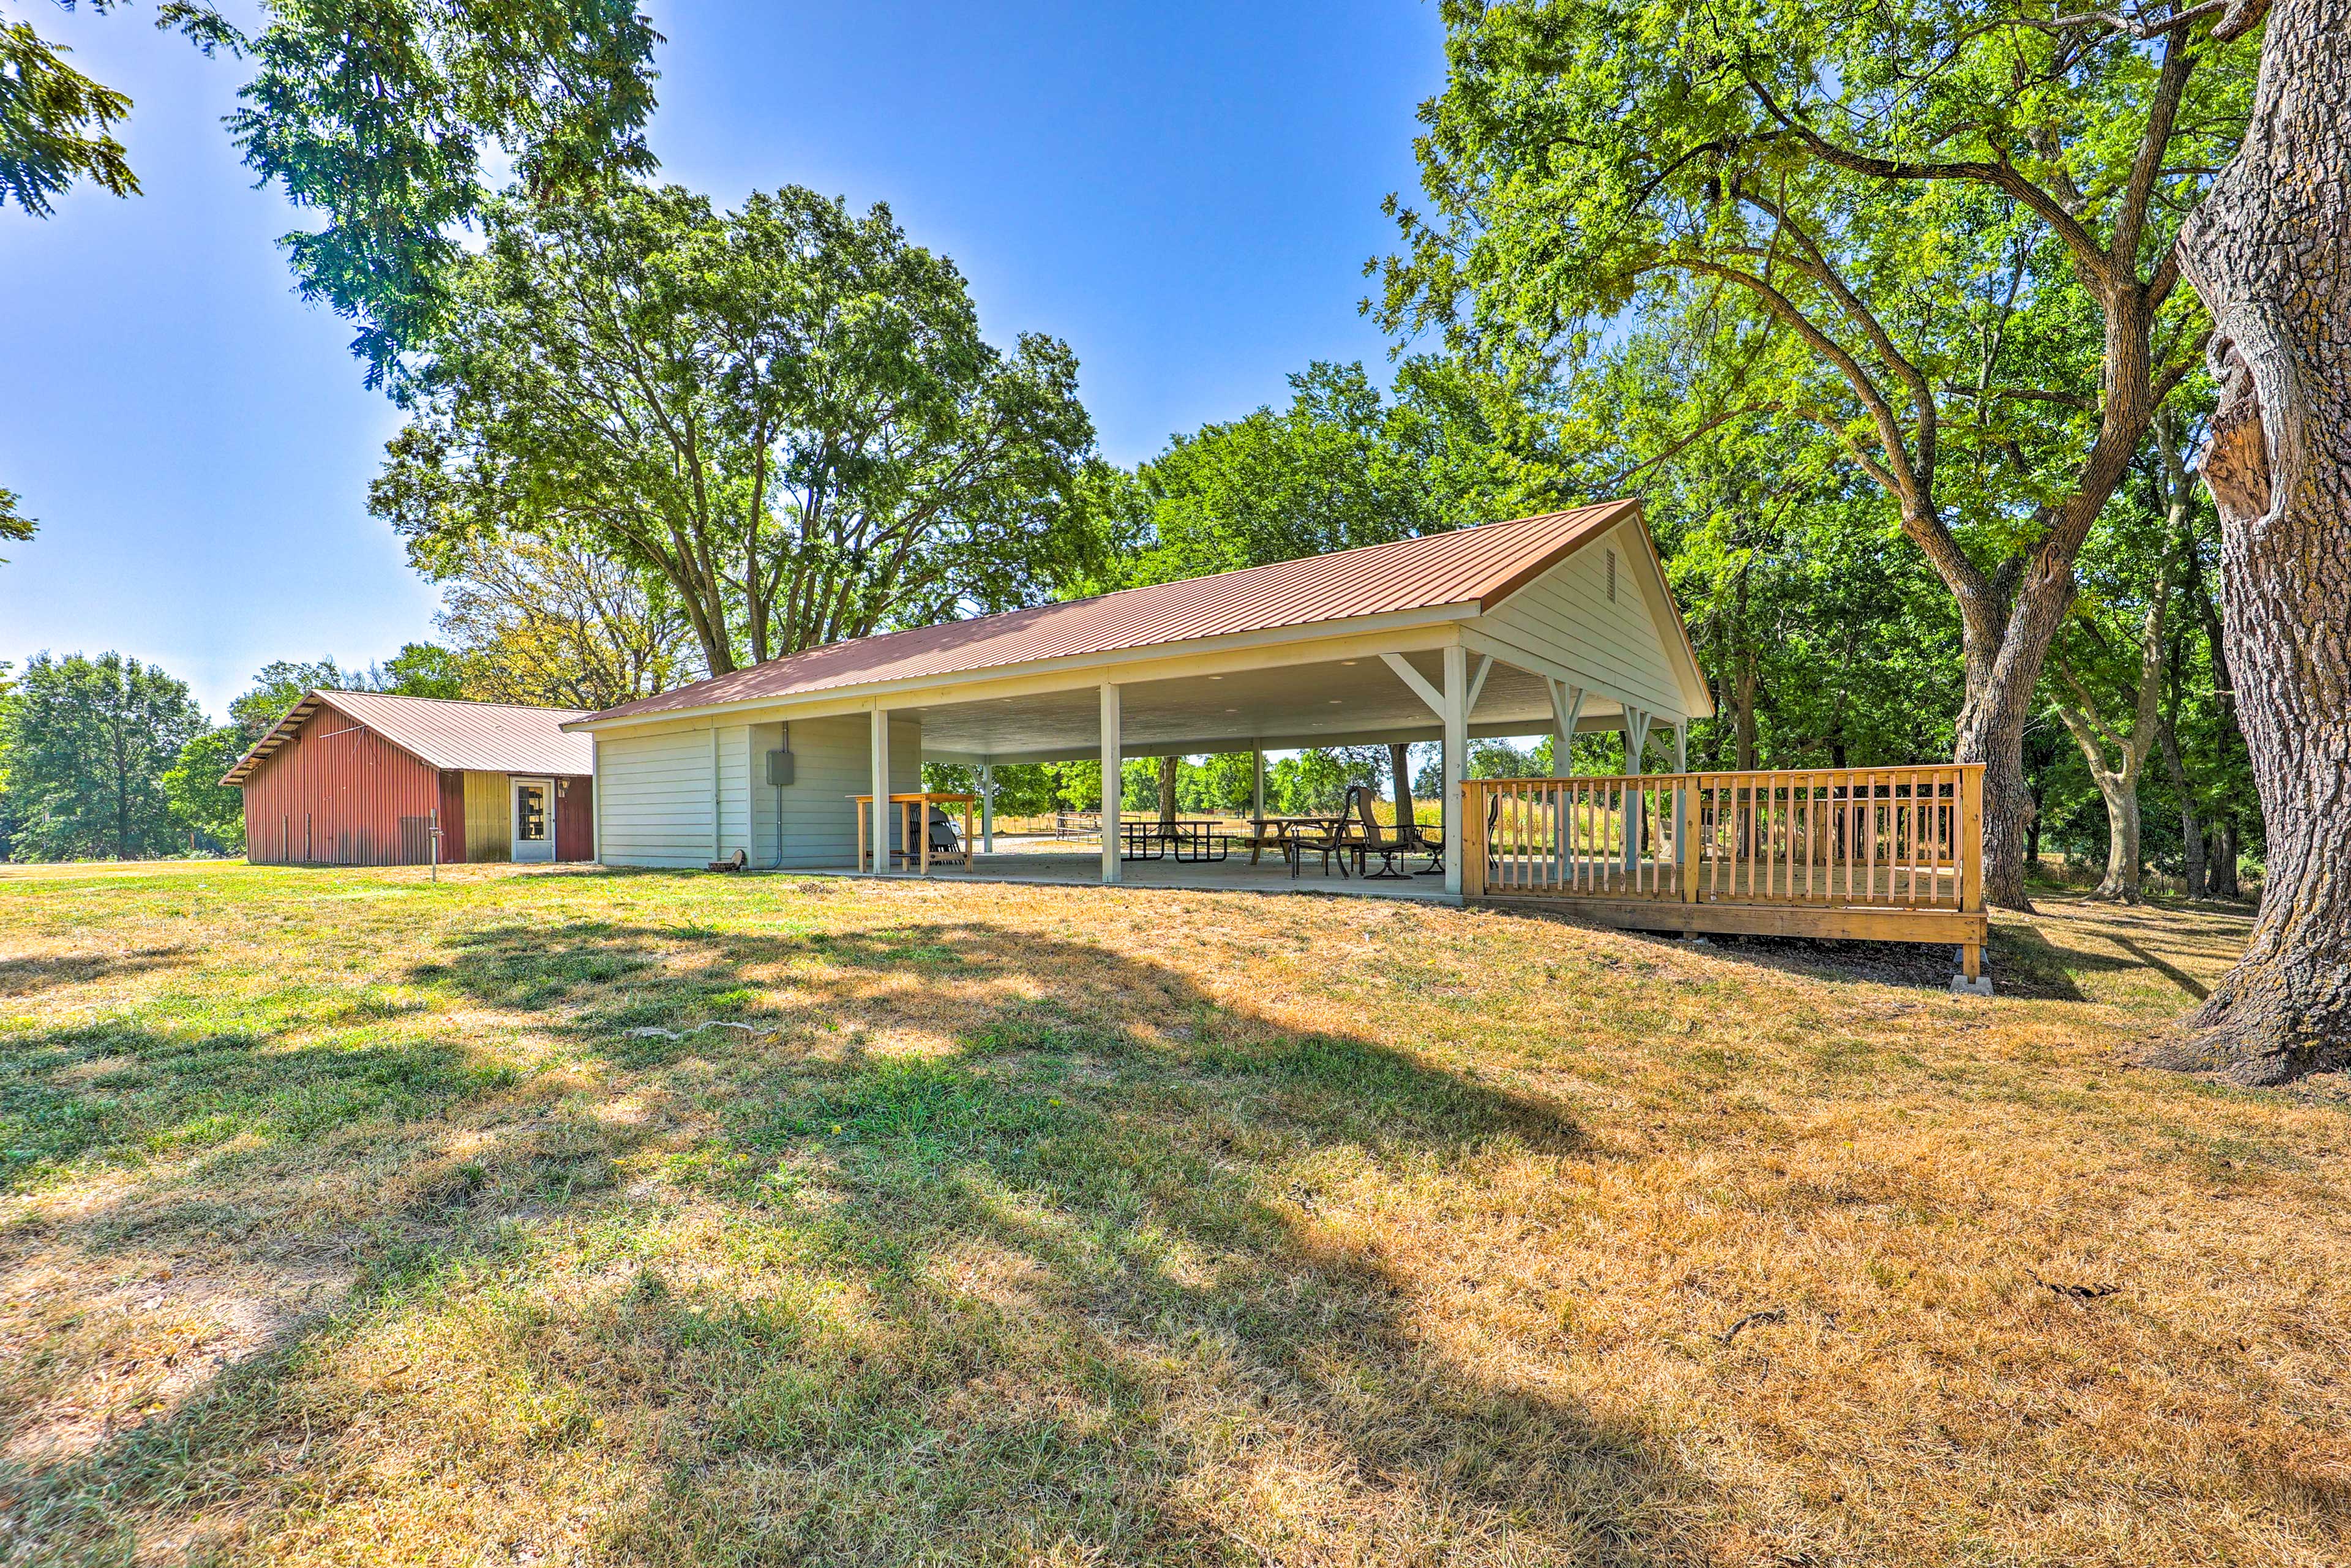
x=1611, y=577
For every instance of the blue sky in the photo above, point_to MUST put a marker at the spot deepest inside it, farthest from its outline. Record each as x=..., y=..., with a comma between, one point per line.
x=1185, y=194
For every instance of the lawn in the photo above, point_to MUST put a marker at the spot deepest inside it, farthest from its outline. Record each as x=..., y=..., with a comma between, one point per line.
x=577, y=1217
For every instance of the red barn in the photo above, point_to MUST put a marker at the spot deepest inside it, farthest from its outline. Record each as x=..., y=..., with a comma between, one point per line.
x=367, y=779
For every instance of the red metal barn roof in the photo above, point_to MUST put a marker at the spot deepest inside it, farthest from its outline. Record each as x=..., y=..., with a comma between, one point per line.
x=1479, y=566
x=486, y=737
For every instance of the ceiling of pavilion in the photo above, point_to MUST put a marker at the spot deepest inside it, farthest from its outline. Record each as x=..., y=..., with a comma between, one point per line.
x=1346, y=701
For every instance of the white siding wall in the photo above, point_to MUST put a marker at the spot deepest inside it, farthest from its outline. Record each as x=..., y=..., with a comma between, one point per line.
x=735, y=791
x=758, y=740
x=1565, y=616
x=654, y=792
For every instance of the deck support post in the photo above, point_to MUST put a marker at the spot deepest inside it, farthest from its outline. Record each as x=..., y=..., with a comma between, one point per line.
x=987, y=809
x=1113, y=783
x=881, y=818
x=1681, y=794
x=1454, y=710
x=1256, y=784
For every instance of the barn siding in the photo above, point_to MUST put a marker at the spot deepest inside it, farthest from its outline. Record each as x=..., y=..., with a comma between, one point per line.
x=489, y=819
x=335, y=794
x=453, y=817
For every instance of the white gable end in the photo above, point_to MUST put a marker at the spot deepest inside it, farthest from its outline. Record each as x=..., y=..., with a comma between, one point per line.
x=1568, y=619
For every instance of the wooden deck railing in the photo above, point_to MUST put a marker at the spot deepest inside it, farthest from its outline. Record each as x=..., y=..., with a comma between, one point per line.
x=1877, y=838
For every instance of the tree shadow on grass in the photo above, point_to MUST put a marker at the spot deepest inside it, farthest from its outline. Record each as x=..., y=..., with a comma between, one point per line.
x=26, y=976
x=1093, y=1267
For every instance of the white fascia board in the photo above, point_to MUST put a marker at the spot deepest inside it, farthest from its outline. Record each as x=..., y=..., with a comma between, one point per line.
x=1414, y=630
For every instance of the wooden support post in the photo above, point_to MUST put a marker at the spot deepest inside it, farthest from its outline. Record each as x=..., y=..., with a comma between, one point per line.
x=987, y=813
x=1113, y=785
x=1971, y=837
x=1689, y=807
x=1466, y=852
x=1970, y=832
x=1455, y=713
x=880, y=760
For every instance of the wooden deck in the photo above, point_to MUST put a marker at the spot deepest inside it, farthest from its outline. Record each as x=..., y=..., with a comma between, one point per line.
x=1874, y=854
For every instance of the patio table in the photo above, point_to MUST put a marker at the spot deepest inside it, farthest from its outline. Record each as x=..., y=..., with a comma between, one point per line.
x=914, y=808
x=1194, y=839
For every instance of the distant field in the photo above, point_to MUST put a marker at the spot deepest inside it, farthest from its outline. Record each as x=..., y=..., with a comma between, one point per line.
x=346, y=1218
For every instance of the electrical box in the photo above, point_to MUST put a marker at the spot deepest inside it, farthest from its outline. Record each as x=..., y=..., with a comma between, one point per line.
x=780, y=768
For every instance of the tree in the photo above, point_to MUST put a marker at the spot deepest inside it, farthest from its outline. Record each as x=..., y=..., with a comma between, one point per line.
x=88, y=743
x=377, y=115
x=1342, y=465
x=553, y=621
x=786, y=414
x=2269, y=251
x=2116, y=756
x=423, y=670
x=54, y=124
x=1954, y=216
x=198, y=797
x=418, y=670
x=14, y=524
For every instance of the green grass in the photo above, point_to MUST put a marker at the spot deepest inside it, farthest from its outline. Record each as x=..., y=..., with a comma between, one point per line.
x=352, y=1218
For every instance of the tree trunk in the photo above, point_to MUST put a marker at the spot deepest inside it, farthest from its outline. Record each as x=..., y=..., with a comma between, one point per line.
x=1167, y=792
x=1743, y=690
x=2191, y=832
x=1991, y=731
x=1400, y=767
x=2122, y=882
x=2220, y=861
x=2270, y=253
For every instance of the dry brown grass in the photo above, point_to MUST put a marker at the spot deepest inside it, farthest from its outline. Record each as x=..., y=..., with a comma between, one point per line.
x=346, y=1220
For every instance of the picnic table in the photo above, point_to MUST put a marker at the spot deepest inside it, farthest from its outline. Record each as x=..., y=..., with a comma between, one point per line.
x=1292, y=837
x=913, y=805
x=1195, y=839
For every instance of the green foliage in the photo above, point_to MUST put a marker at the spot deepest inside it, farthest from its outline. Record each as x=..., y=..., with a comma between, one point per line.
x=418, y=670
x=555, y=622
x=377, y=115
x=1928, y=241
x=787, y=414
x=1025, y=788
x=1340, y=466
x=424, y=670
x=87, y=742
x=14, y=524
x=54, y=127
x=193, y=785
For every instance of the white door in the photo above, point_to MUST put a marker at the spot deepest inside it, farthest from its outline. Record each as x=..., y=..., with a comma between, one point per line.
x=533, y=819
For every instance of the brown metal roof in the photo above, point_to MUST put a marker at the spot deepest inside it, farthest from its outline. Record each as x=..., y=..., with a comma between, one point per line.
x=1479, y=566
x=484, y=737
